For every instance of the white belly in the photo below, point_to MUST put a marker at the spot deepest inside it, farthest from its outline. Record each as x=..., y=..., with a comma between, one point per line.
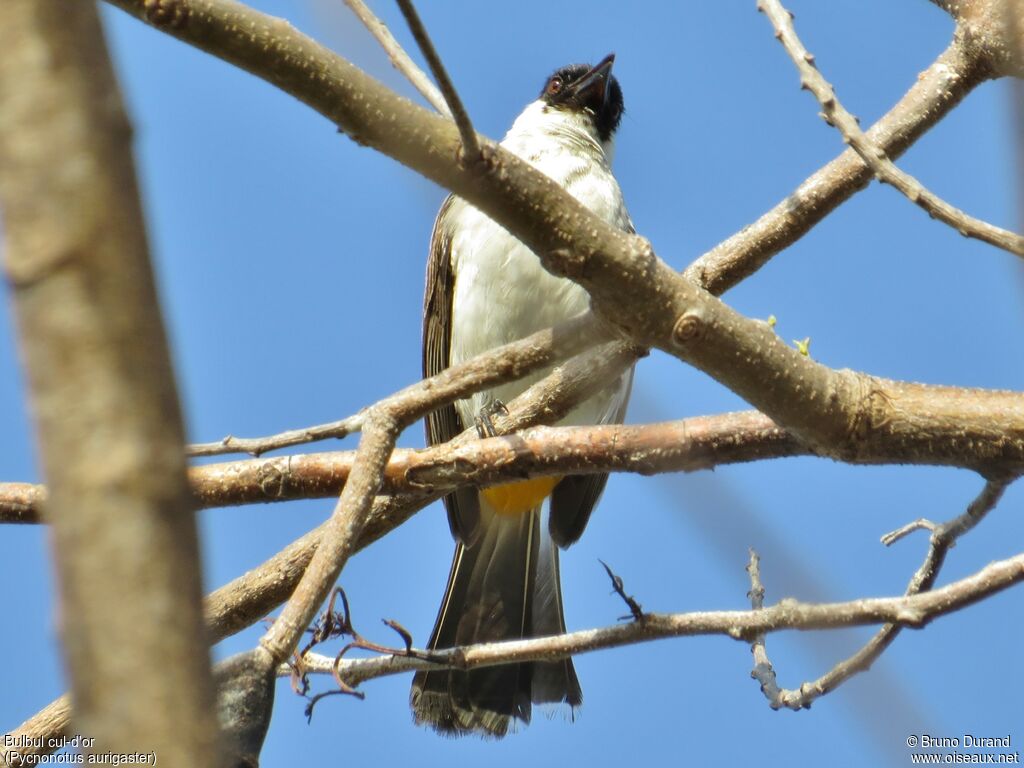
x=502, y=293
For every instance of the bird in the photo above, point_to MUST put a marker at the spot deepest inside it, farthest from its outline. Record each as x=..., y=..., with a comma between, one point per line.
x=485, y=288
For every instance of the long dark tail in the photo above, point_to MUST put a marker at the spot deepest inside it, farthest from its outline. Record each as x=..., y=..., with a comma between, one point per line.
x=505, y=587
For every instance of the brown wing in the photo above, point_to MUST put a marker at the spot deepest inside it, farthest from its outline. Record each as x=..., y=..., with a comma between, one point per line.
x=442, y=425
x=575, y=496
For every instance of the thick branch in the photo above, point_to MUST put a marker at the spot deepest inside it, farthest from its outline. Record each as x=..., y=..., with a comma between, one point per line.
x=994, y=30
x=686, y=445
x=102, y=392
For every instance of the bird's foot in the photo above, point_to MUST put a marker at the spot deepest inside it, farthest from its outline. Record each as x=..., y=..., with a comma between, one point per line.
x=484, y=423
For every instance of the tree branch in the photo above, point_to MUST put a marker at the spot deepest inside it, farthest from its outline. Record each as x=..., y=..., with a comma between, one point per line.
x=686, y=445
x=994, y=30
x=896, y=425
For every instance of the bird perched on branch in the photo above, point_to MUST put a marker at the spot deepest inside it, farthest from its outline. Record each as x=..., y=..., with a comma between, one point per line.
x=485, y=288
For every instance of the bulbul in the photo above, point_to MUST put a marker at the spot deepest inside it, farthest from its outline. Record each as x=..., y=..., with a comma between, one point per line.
x=485, y=288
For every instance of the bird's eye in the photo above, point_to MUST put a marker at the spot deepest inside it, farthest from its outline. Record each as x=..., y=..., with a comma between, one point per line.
x=554, y=86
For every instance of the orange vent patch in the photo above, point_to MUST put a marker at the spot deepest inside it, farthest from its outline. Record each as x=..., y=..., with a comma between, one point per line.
x=517, y=498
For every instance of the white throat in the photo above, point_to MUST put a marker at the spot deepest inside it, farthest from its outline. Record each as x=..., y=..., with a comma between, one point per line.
x=543, y=127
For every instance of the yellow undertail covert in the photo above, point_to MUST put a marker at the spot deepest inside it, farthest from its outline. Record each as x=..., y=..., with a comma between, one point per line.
x=519, y=497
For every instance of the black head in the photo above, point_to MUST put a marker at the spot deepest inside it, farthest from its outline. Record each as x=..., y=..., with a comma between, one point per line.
x=585, y=88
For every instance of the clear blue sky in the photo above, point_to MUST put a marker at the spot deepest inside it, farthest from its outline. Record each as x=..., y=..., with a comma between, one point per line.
x=291, y=262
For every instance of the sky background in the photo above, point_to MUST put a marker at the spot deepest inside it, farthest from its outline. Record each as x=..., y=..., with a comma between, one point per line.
x=290, y=263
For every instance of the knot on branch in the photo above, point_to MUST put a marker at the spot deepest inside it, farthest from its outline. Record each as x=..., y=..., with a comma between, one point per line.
x=272, y=478
x=689, y=327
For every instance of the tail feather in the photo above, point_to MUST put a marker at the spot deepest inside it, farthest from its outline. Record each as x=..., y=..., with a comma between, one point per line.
x=553, y=681
x=504, y=587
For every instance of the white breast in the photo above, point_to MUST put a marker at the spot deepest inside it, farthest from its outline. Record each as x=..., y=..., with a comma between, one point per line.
x=502, y=293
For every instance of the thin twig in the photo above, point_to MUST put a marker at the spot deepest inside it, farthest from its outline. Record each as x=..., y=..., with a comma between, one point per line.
x=943, y=537
x=874, y=156
x=763, y=671
x=257, y=446
x=636, y=611
x=913, y=610
x=400, y=60
x=470, y=146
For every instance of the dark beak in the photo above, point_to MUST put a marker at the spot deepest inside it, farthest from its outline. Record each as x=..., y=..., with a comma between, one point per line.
x=594, y=84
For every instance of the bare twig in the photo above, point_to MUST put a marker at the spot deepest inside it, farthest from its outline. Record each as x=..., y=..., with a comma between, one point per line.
x=873, y=155
x=763, y=671
x=943, y=537
x=400, y=60
x=636, y=611
x=257, y=446
x=911, y=611
x=470, y=145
